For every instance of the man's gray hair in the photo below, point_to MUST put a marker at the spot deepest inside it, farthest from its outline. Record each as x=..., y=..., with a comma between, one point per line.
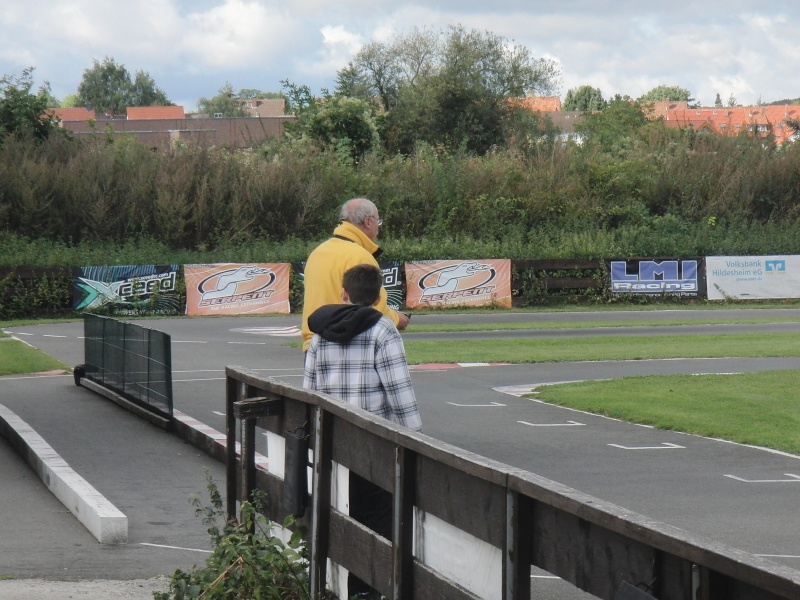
x=356, y=210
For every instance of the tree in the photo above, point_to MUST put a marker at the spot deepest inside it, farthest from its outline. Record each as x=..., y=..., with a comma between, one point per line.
x=340, y=122
x=349, y=83
x=224, y=104
x=614, y=127
x=107, y=87
x=667, y=92
x=450, y=87
x=718, y=101
x=145, y=92
x=345, y=123
x=585, y=98
x=22, y=112
x=70, y=101
x=252, y=93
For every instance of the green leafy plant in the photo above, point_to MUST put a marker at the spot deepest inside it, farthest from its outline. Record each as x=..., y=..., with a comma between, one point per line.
x=248, y=560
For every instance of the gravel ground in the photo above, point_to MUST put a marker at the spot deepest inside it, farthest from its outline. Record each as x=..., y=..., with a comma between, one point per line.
x=45, y=589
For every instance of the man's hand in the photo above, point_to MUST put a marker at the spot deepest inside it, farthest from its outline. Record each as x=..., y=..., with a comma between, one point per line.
x=404, y=320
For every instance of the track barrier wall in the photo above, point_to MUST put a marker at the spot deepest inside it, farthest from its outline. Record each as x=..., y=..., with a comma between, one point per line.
x=132, y=361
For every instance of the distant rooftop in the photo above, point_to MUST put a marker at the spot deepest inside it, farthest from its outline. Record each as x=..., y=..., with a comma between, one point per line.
x=147, y=113
x=73, y=114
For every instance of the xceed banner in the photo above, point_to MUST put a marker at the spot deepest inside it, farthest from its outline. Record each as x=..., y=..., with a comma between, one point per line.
x=750, y=277
x=439, y=283
x=393, y=281
x=127, y=289
x=237, y=289
x=668, y=276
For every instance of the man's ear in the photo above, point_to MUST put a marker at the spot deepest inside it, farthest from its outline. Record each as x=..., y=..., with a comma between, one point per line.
x=345, y=297
x=378, y=299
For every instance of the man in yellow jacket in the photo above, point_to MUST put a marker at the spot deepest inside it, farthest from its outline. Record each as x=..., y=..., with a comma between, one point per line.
x=353, y=243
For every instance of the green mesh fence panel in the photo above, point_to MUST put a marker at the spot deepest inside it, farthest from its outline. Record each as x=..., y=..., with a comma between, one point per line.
x=131, y=360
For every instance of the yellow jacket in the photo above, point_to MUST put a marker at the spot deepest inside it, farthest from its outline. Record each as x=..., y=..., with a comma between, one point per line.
x=325, y=268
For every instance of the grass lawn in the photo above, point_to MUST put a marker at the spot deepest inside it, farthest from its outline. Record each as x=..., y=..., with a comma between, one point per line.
x=762, y=409
x=710, y=320
x=607, y=347
x=17, y=358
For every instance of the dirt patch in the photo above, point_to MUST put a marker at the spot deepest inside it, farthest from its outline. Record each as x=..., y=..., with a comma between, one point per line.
x=106, y=589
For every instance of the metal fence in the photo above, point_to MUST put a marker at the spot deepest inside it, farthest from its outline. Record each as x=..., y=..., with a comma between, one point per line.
x=464, y=527
x=132, y=361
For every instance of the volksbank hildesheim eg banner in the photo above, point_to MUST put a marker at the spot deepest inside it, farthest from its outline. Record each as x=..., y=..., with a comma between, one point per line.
x=752, y=277
x=672, y=277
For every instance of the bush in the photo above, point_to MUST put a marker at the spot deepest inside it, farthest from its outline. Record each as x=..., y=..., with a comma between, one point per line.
x=248, y=560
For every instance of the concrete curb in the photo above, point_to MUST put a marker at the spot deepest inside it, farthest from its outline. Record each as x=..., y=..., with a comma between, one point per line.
x=103, y=520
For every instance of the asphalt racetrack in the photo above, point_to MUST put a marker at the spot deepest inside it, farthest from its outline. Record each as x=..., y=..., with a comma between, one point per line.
x=742, y=496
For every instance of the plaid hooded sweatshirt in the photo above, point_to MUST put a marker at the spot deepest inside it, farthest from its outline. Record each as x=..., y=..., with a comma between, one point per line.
x=357, y=354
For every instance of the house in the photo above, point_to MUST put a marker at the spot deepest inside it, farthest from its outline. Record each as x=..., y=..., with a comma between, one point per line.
x=543, y=104
x=550, y=106
x=66, y=115
x=162, y=127
x=263, y=107
x=565, y=121
x=761, y=121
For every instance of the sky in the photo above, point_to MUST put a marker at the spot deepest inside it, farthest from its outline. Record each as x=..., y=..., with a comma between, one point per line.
x=747, y=50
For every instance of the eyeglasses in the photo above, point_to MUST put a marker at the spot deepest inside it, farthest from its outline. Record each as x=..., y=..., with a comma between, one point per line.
x=378, y=221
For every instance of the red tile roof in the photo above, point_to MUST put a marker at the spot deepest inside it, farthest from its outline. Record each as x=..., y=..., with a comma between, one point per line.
x=73, y=114
x=155, y=112
x=730, y=120
x=539, y=103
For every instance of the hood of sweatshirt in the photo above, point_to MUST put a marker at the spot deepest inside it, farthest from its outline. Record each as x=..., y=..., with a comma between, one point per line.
x=340, y=323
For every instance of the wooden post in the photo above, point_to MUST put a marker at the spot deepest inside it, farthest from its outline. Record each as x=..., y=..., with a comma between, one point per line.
x=320, y=501
x=517, y=554
x=248, y=463
x=231, y=395
x=403, y=523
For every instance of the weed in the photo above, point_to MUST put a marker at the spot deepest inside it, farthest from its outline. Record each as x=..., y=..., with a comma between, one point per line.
x=248, y=559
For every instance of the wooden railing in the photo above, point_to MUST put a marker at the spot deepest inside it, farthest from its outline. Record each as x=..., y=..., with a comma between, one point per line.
x=452, y=506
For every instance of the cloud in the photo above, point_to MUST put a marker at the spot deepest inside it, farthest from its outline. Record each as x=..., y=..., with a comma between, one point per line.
x=192, y=47
x=237, y=34
x=338, y=48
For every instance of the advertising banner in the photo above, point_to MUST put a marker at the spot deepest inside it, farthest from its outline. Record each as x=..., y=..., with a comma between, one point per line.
x=237, y=289
x=126, y=289
x=441, y=283
x=752, y=277
x=393, y=281
x=682, y=277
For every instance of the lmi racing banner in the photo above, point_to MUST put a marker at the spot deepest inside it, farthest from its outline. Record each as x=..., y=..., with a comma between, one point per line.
x=441, y=283
x=237, y=289
x=126, y=289
x=683, y=277
x=751, y=277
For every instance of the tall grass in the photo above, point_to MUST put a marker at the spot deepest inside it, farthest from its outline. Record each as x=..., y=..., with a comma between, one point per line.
x=670, y=193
